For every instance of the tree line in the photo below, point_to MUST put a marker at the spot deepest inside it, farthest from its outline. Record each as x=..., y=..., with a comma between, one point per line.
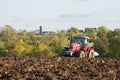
x=23, y=43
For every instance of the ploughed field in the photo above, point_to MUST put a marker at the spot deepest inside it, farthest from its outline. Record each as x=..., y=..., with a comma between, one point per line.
x=59, y=68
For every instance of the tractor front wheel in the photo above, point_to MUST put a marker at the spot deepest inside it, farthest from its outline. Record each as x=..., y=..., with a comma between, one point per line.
x=82, y=54
x=91, y=53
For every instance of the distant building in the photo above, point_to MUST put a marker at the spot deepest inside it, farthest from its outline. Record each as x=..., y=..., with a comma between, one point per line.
x=40, y=30
x=43, y=32
x=48, y=32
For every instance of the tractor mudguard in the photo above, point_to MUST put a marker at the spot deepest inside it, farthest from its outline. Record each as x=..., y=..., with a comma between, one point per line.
x=89, y=47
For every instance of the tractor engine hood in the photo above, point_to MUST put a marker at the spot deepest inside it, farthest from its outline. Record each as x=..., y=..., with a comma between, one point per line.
x=74, y=47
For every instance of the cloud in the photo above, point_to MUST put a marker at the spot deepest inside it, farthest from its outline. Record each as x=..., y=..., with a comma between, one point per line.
x=78, y=15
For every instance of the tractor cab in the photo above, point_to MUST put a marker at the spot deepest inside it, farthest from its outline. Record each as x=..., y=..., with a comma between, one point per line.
x=83, y=41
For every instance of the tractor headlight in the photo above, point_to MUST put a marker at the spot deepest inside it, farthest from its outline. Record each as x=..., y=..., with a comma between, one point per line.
x=70, y=53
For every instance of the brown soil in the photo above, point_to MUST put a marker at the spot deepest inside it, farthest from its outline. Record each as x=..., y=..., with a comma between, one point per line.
x=59, y=68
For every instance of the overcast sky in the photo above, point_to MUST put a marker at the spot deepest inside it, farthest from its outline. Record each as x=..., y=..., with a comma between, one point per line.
x=59, y=14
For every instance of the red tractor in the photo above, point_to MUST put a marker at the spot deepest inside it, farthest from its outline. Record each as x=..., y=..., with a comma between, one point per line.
x=80, y=46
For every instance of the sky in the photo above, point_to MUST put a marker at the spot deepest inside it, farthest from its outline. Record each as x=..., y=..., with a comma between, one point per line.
x=55, y=15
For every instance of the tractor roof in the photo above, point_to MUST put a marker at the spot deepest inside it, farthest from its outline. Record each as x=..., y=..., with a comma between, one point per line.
x=83, y=36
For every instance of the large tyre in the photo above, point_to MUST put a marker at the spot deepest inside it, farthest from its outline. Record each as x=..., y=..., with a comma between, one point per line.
x=91, y=53
x=82, y=54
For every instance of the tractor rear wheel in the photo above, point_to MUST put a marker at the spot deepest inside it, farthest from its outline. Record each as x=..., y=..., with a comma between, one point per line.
x=82, y=54
x=91, y=53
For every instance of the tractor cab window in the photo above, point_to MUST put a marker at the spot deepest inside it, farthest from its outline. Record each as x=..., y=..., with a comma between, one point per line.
x=78, y=40
x=86, y=41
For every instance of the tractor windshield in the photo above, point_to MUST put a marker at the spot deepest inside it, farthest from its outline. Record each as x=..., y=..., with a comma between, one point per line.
x=77, y=40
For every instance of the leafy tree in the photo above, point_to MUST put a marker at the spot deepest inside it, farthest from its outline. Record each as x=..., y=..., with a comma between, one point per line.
x=117, y=32
x=32, y=38
x=24, y=35
x=73, y=31
x=114, y=43
x=91, y=32
x=62, y=32
x=101, y=47
x=103, y=31
x=102, y=42
x=20, y=46
x=0, y=32
x=9, y=35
